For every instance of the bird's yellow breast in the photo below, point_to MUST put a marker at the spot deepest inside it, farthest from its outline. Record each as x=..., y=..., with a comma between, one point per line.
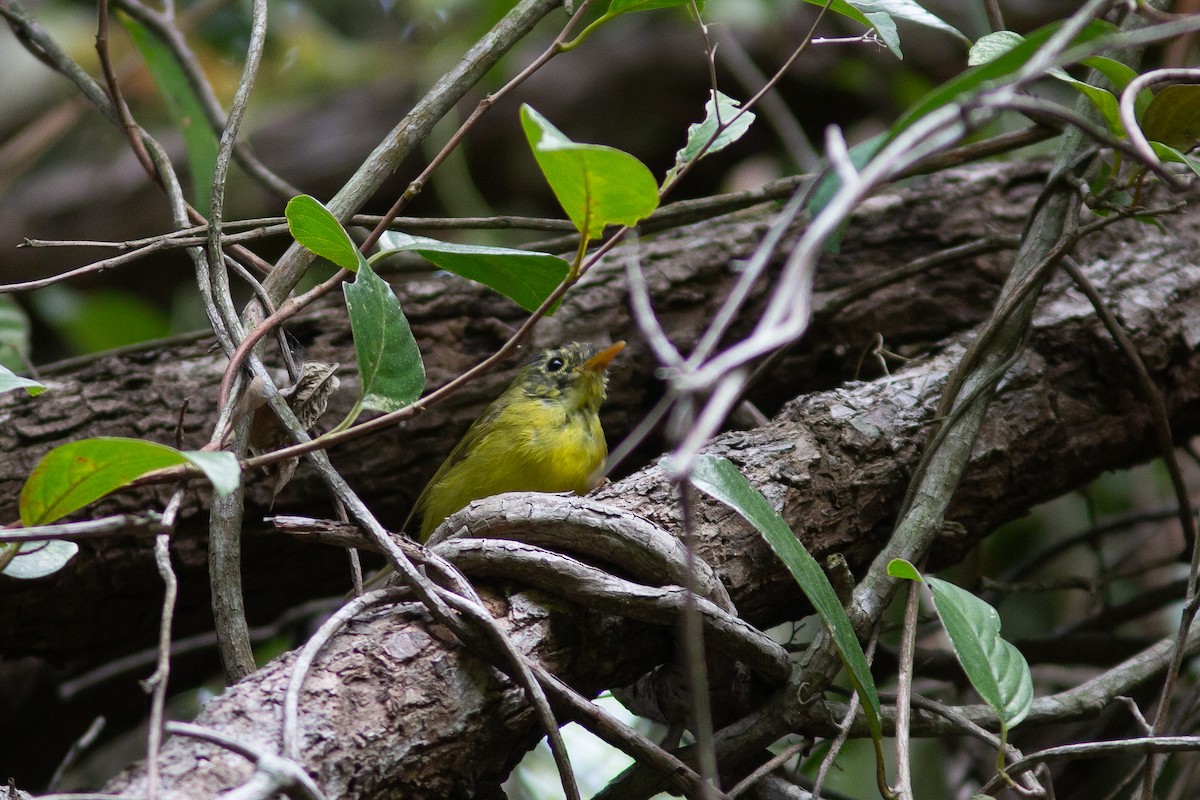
x=532, y=445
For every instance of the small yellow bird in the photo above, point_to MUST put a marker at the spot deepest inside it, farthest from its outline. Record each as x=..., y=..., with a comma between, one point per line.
x=542, y=435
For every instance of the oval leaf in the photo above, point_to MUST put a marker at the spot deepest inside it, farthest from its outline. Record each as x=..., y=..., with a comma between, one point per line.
x=38, y=559
x=77, y=473
x=719, y=478
x=1173, y=117
x=389, y=361
x=318, y=230
x=523, y=276
x=10, y=381
x=995, y=668
x=596, y=185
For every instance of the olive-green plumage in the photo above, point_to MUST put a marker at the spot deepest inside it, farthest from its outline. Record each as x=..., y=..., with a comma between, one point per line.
x=542, y=435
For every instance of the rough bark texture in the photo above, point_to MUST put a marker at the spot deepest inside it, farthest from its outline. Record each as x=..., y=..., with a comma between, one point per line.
x=835, y=462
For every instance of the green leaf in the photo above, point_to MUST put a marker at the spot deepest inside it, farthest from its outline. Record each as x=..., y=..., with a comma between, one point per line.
x=719, y=110
x=9, y=381
x=183, y=106
x=1170, y=154
x=99, y=319
x=992, y=46
x=525, y=277
x=996, y=669
x=318, y=230
x=625, y=6
x=618, y=7
x=910, y=11
x=886, y=29
x=719, y=478
x=14, y=334
x=878, y=14
x=1104, y=101
x=1120, y=75
x=1001, y=66
x=994, y=666
x=1173, y=116
x=39, y=559
x=596, y=185
x=77, y=473
x=389, y=361
x=899, y=568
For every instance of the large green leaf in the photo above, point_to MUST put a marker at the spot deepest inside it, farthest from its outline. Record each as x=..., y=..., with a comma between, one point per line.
x=183, y=106
x=719, y=110
x=10, y=381
x=1173, y=116
x=389, y=361
x=525, y=277
x=719, y=478
x=994, y=666
x=77, y=473
x=318, y=230
x=596, y=185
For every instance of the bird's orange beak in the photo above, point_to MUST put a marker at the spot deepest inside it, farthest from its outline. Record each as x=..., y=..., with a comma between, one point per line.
x=600, y=361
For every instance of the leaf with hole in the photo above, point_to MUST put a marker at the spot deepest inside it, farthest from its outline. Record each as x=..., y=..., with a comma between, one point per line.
x=703, y=138
x=596, y=185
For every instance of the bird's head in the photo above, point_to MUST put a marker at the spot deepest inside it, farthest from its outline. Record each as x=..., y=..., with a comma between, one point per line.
x=575, y=372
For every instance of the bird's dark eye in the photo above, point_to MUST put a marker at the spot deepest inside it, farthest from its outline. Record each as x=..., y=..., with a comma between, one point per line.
x=555, y=364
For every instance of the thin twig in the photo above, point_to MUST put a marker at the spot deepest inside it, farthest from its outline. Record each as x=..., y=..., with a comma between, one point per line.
x=157, y=683
x=904, y=676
